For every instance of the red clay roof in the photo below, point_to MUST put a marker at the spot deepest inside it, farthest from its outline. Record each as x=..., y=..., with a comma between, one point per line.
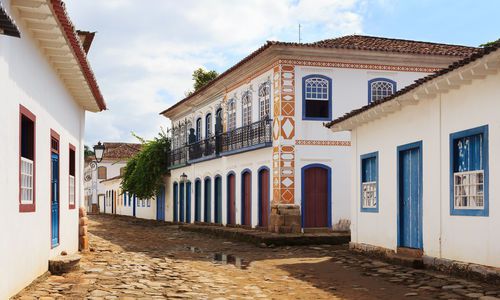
x=76, y=45
x=86, y=38
x=120, y=150
x=353, y=42
x=481, y=52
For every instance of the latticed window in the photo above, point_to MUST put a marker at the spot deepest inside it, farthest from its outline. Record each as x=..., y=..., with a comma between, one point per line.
x=231, y=115
x=182, y=135
x=27, y=163
x=198, y=129
x=468, y=172
x=26, y=181
x=369, y=177
x=246, y=103
x=72, y=172
x=380, y=88
x=317, y=97
x=264, y=100
x=208, y=125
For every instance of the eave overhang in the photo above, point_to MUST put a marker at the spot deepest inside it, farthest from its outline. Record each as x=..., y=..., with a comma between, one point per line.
x=7, y=25
x=463, y=72
x=50, y=26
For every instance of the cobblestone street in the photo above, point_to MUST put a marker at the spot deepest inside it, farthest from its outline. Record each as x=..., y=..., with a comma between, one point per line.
x=136, y=259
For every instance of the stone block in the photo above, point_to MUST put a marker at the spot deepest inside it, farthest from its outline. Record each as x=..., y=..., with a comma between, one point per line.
x=64, y=264
x=84, y=221
x=83, y=230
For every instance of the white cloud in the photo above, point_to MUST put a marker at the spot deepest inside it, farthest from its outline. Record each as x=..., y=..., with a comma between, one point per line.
x=145, y=51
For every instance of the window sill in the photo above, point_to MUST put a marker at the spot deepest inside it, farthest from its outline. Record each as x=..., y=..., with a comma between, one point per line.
x=470, y=212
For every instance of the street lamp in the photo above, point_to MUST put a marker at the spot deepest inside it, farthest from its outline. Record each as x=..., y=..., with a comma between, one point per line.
x=183, y=177
x=99, y=151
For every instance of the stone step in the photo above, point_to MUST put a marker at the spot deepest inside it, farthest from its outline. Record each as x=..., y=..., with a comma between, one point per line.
x=64, y=264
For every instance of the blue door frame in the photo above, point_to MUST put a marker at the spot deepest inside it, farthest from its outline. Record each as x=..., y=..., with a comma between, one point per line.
x=160, y=205
x=218, y=199
x=55, y=200
x=182, y=200
x=134, y=204
x=409, y=186
x=207, y=196
x=176, y=195
x=197, y=200
x=188, y=202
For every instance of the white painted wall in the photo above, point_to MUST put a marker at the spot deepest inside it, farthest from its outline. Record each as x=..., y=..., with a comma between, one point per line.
x=26, y=78
x=463, y=238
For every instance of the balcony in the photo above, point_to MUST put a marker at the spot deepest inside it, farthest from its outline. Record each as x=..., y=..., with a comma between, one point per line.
x=249, y=137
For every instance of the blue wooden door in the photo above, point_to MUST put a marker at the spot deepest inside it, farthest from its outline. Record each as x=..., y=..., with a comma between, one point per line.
x=134, y=204
x=197, y=201
x=160, y=205
x=218, y=199
x=55, y=201
x=188, y=202
x=410, y=196
x=208, y=192
x=182, y=200
x=176, y=195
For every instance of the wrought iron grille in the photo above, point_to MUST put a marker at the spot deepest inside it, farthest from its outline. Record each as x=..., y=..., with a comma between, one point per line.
x=254, y=134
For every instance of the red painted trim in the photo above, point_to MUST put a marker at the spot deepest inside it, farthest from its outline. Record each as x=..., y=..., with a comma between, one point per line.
x=55, y=135
x=71, y=147
x=72, y=38
x=23, y=111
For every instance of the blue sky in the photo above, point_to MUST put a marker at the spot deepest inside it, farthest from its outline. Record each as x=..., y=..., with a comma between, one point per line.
x=145, y=51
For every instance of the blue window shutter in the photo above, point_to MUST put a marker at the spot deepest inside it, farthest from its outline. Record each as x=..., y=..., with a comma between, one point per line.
x=468, y=153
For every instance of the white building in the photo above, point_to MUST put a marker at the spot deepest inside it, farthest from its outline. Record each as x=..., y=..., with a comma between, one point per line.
x=425, y=166
x=46, y=86
x=252, y=144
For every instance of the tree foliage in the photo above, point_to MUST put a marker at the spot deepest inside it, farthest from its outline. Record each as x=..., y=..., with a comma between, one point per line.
x=489, y=43
x=144, y=172
x=201, y=77
x=87, y=151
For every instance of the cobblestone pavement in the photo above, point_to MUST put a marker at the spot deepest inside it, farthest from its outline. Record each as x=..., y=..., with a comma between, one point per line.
x=135, y=259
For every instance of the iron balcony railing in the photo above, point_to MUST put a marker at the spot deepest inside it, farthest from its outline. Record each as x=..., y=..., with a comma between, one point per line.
x=178, y=157
x=202, y=149
x=248, y=137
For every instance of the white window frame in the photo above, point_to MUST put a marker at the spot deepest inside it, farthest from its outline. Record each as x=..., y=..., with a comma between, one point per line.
x=369, y=194
x=265, y=100
x=246, y=108
x=27, y=187
x=467, y=193
x=72, y=198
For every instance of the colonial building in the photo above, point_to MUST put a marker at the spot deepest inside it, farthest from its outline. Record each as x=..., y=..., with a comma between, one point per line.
x=250, y=148
x=46, y=87
x=424, y=166
x=112, y=166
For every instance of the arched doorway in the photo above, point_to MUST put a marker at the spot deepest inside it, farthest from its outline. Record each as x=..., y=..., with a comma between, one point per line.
x=316, y=196
x=175, y=208
x=197, y=200
x=188, y=202
x=264, y=197
x=208, y=200
x=182, y=200
x=246, y=198
x=231, y=198
x=218, y=199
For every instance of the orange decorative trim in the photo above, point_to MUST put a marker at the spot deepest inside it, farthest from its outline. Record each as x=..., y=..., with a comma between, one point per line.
x=323, y=143
x=344, y=65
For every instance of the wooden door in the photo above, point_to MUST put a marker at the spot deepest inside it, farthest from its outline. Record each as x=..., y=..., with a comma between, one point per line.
x=175, y=208
x=197, y=201
x=264, y=198
x=160, y=204
x=55, y=200
x=208, y=200
x=218, y=200
x=246, y=192
x=315, y=194
x=410, y=198
x=182, y=200
x=231, y=199
x=188, y=202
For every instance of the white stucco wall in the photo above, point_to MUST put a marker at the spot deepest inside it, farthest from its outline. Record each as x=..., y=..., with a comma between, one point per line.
x=26, y=78
x=463, y=238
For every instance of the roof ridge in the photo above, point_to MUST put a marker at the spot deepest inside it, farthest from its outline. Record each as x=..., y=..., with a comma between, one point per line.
x=397, y=39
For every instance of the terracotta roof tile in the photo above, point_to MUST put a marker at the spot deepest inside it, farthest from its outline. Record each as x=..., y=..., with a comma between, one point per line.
x=354, y=42
x=120, y=150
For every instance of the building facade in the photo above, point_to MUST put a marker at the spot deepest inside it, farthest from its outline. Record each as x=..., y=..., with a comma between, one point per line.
x=424, y=173
x=47, y=86
x=250, y=147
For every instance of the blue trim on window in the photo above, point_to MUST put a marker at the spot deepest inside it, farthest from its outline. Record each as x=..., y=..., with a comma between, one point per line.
x=243, y=197
x=461, y=134
x=363, y=157
x=304, y=117
x=303, y=196
x=259, y=195
x=400, y=149
x=394, y=86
